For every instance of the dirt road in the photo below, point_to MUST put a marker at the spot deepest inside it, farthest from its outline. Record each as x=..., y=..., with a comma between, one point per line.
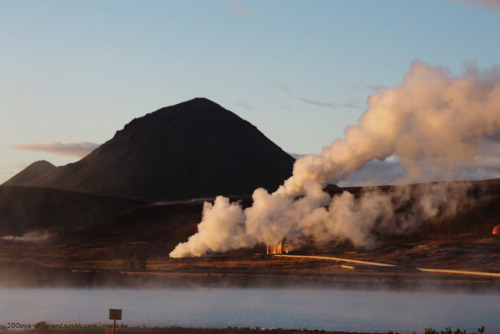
x=379, y=264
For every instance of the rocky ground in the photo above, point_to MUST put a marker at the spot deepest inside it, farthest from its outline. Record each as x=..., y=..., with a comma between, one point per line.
x=139, y=264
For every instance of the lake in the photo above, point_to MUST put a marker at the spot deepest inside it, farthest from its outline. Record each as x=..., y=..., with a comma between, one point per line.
x=342, y=310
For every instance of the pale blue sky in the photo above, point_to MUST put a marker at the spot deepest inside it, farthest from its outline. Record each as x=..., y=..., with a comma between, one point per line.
x=77, y=71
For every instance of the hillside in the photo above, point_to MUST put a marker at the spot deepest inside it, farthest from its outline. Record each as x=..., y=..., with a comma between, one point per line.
x=169, y=223
x=38, y=211
x=190, y=150
x=30, y=174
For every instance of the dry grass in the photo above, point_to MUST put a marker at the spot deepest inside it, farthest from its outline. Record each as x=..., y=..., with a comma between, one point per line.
x=175, y=330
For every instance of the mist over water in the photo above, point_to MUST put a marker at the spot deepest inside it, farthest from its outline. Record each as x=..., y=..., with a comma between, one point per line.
x=433, y=124
x=368, y=311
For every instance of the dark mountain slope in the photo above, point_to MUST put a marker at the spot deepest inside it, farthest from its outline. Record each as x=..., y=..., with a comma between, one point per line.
x=190, y=150
x=33, y=209
x=30, y=174
x=166, y=223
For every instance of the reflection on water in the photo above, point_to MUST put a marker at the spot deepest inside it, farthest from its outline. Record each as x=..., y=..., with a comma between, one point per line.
x=266, y=308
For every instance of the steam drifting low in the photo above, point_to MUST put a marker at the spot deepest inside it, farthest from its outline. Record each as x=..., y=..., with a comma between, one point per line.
x=432, y=123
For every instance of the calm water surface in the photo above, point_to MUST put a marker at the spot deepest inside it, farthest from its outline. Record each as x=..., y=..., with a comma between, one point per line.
x=266, y=308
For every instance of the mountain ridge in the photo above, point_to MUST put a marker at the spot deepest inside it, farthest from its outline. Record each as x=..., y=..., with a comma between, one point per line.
x=189, y=150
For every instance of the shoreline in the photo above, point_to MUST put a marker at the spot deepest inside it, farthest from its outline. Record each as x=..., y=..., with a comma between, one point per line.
x=204, y=330
x=178, y=330
x=280, y=274
x=443, y=266
x=314, y=309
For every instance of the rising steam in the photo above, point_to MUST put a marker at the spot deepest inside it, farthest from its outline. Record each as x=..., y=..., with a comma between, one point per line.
x=432, y=123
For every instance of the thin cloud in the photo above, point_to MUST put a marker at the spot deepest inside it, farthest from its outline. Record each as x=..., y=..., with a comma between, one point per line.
x=246, y=105
x=76, y=149
x=317, y=103
x=350, y=105
x=281, y=86
x=239, y=8
x=285, y=106
x=377, y=88
x=491, y=4
x=284, y=88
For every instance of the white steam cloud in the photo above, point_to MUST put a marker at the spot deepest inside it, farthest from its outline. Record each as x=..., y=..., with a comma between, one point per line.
x=432, y=124
x=29, y=236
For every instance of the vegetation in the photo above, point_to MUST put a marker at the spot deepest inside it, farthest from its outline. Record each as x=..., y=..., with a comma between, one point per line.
x=45, y=328
x=448, y=330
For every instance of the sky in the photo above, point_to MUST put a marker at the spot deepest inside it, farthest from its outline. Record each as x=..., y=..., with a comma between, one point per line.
x=75, y=72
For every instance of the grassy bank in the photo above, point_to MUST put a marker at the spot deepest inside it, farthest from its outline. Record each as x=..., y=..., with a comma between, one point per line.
x=168, y=330
x=227, y=330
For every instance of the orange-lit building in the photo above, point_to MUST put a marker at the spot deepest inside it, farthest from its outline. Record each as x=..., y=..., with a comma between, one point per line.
x=280, y=248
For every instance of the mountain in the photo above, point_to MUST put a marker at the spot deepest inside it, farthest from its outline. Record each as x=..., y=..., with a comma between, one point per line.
x=30, y=174
x=190, y=150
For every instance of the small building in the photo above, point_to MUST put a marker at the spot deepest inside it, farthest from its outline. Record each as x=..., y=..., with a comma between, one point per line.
x=278, y=249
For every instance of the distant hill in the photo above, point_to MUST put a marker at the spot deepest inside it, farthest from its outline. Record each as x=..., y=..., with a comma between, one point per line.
x=190, y=150
x=33, y=209
x=30, y=174
x=167, y=224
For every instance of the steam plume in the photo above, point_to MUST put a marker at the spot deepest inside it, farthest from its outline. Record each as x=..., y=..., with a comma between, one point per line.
x=432, y=123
